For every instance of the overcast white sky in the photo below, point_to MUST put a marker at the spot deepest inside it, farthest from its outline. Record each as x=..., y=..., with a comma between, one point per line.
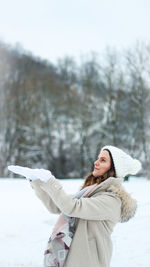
x=54, y=28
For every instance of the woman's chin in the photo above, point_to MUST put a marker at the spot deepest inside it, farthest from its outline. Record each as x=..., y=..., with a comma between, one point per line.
x=95, y=174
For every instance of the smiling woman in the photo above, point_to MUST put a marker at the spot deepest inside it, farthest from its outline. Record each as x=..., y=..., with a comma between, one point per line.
x=82, y=234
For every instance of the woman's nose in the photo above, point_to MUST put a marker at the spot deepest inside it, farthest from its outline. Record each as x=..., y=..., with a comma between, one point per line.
x=96, y=163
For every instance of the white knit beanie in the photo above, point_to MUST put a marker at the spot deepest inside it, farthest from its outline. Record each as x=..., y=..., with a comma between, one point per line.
x=124, y=163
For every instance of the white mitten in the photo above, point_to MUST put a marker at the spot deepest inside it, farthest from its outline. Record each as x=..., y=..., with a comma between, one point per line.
x=31, y=174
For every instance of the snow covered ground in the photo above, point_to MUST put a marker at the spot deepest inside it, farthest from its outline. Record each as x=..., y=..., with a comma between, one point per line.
x=25, y=225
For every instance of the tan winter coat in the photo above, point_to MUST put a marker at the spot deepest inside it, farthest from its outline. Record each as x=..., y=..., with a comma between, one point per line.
x=96, y=215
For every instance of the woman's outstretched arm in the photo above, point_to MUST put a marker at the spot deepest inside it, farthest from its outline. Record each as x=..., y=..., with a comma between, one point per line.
x=105, y=206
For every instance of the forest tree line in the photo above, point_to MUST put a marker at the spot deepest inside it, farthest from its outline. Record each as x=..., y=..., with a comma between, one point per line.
x=58, y=116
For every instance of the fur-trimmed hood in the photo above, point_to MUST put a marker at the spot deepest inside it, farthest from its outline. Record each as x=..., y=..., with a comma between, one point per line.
x=129, y=204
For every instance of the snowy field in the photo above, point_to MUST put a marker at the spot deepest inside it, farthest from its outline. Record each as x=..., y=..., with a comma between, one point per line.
x=25, y=225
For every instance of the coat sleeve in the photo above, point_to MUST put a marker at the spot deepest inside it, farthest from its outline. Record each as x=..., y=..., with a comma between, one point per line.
x=104, y=206
x=44, y=197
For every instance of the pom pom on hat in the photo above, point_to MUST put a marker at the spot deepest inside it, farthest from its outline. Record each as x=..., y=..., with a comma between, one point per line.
x=124, y=163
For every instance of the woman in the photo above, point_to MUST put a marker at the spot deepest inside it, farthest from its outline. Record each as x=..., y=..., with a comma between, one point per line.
x=104, y=203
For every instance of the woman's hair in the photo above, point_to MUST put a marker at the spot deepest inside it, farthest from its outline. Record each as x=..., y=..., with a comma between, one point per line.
x=91, y=179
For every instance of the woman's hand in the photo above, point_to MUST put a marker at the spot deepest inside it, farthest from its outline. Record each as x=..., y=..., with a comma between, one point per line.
x=31, y=174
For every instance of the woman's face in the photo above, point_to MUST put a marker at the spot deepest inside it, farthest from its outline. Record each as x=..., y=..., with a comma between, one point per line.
x=102, y=164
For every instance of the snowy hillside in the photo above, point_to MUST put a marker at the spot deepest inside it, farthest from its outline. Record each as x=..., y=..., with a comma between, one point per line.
x=25, y=225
